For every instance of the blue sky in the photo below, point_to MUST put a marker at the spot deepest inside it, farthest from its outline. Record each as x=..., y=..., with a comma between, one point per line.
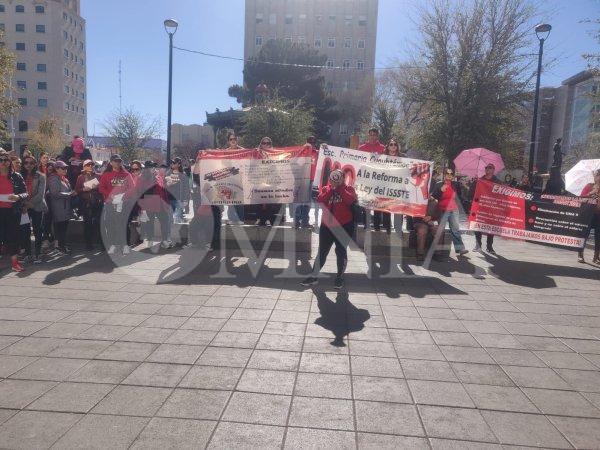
x=136, y=37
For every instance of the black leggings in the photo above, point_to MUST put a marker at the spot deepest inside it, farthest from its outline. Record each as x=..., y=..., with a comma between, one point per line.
x=596, y=227
x=60, y=230
x=114, y=230
x=47, y=232
x=9, y=230
x=489, y=239
x=342, y=237
x=382, y=218
x=91, y=223
x=37, y=223
x=164, y=219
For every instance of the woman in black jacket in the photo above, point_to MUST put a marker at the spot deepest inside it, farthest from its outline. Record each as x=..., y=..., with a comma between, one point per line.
x=12, y=194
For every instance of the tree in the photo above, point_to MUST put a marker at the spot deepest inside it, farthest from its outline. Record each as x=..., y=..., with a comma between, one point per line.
x=7, y=64
x=290, y=82
x=46, y=137
x=471, y=75
x=130, y=131
x=286, y=122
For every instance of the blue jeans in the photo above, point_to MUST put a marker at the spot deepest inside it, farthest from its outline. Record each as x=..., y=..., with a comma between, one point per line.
x=452, y=218
x=177, y=210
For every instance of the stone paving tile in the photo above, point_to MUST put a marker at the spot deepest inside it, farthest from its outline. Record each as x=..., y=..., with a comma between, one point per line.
x=536, y=377
x=228, y=357
x=230, y=435
x=323, y=385
x=427, y=370
x=275, y=360
x=524, y=429
x=209, y=377
x=104, y=372
x=278, y=342
x=132, y=401
x=455, y=423
x=302, y=438
x=381, y=389
x=267, y=381
x=10, y=364
x=35, y=429
x=178, y=354
x=384, y=367
x=34, y=346
x=501, y=398
x=19, y=393
x=155, y=374
x=327, y=413
x=566, y=403
x=481, y=374
x=194, y=404
x=324, y=363
x=161, y=433
x=581, y=380
x=400, y=419
x=266, y=409
x=102, y=432
x=582, y=433
x=439, y=393
x=72, y=397
x=127, y=351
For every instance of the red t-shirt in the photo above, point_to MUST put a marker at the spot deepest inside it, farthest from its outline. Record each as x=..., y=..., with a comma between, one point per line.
x=6, y=188
x=447, y=201
x=587, y=189
x=337, y=204
x=29, y=184
x=377, y=147
x=113, y=183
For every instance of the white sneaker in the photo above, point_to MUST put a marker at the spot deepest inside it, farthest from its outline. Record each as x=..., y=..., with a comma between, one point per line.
x=126, y=250
x=166, y=244
x=111, y=250
x=477, y=248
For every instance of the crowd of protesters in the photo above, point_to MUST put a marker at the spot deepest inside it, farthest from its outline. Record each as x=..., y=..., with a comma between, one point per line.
x=40, y=197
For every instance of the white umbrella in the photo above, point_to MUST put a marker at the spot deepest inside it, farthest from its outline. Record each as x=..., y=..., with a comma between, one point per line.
x=581, y=174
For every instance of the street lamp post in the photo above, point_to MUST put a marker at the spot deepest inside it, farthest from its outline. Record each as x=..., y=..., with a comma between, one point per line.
x=171, y=28
x=542, y=31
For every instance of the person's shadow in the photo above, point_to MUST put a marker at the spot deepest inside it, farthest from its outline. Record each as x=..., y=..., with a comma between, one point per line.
x=340, y=317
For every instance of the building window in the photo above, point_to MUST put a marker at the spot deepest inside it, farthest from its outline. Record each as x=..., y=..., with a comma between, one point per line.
x=258, y=41
x=348, y=19
x=1, y=8
x=259, y=18
x=39, y=9
x=347, y=42
x=41, y=68
x=302, y=17
x=23, y=126
x=22, y=101
x=288, y=41
x=20, y=9
x=65, y=35
x=346, y=86
x=362, y=21
x=272, y=19
x=20, y=28
x=361, y=43
x=66, y=89
x=42, y=85
x=65, y=17
x=66, y=72
x=331, y=42
x=40, y=28
x=289, y=19
x=343, y=129
x=346, y=64
x=22, y=85
x=318, y=43
x=68, y=129
x=360, y=65
x=301, y=40
x=40, y=47
x=329, y=87
x=66, y=53
x=66, y=106
x=2, y=27
x=21, y=66
x=81, y=61
x=81, y=46
x=83, y=96
x=82, y=110
x=20, y=46
x=330, y=64
x=332, y=17
x=43, y=102
x=82, y=79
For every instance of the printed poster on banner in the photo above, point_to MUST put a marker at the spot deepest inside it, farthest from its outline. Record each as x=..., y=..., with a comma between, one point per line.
x=382, y=182
x=252, y=176
x=509, y=212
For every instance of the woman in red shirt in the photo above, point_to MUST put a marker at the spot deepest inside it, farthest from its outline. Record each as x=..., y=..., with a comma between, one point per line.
x=592, y=190
x=116, y=187
x=337, y=226
x=12, y=194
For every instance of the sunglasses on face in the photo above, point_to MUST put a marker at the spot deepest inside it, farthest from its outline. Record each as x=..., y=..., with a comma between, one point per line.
x=29, y=163
x=135, y=169
x=4, y=160
x=232, y=139
x=265, y=143
x=489, y=168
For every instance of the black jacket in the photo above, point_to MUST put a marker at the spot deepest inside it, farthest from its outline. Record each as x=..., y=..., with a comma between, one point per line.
x=436, y=192
x=19, y=189
x=68, y=154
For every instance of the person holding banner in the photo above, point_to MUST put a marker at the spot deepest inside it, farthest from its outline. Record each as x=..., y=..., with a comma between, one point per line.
x=489, y=176
x=337, y=226
x=300, y=211
x=235, y=213
x=385, y=218
x=447, y=194
x=592, y=190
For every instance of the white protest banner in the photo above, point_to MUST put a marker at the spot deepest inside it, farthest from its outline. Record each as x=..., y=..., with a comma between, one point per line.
x=250, y=177
x=385, y=183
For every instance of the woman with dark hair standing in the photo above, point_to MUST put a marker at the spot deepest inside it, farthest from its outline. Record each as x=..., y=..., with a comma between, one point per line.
x=48, y=238
x=90, y=202
x=60, y=194
x=13, y=193
x=35, y=206
x=235, y=213
x=154, y=204
x=385, y=218
x=592, y=190
x=178, y=186
x=116, y=184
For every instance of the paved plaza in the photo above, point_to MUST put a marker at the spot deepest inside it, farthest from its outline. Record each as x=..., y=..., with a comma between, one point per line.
x=488, y=352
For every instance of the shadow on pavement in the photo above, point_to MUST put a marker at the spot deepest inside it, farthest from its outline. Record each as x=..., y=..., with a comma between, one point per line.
x=340, y=316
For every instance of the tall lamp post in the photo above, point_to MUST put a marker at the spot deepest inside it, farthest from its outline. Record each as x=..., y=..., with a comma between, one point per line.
x=171, y=28
x=542, y=31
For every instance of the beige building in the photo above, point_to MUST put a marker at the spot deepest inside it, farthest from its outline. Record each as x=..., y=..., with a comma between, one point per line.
x=48, y=40
x=200, y=135
x=344, y=30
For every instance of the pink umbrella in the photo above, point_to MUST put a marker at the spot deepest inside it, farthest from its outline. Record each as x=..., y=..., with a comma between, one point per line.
x=472, y=162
